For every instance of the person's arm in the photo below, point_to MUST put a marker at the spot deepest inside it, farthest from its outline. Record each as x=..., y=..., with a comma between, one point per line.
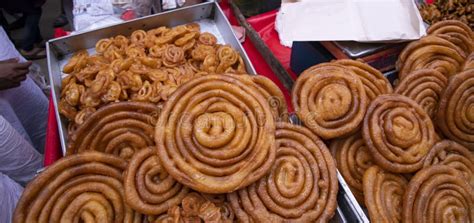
x=12, y=73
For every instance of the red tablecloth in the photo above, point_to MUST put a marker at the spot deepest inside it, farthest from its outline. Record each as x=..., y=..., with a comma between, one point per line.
x=264, y=24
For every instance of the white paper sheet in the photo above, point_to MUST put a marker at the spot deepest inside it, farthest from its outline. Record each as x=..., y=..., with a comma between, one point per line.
x=358, y=20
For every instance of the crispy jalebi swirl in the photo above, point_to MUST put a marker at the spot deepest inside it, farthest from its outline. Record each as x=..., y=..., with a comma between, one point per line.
x=216, y=134
x=199, y=208
x=113, y=93
x=83, y=115
x=78, y=188
x=120, y=128
x=77, y=62
x=207, y=39
x=202, y=51
x=157, y=51
x=353, y=159
x=425, y=87
x=148, y=187
x=192, y=27
x=102, y=45
x=72, y=92
x=456, y=32
x=383, y=192
x=330, y=100
x=438, y=193
x=398, y=133
x=227, y=57
x=431, y=52
x=272, y=93
x=455, y=115
x=129, y=80
x=66, y=109
x=173, y=56
x=452, y=154
x=138, y=37
x=469, y=63
x=375, y=83
x=189, y=37
x=301, y=186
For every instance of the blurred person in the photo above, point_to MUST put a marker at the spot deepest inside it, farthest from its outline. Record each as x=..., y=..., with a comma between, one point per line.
x=31, y=45
x=23, y=114
x=61, y=20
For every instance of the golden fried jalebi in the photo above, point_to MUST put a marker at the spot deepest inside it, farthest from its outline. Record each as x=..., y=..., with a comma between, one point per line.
x=227, y=57
x=425, y=87
x=398, y=133
x=375, y=83
x=455, y=115
x=66, y=109
x=383, y=192
x=353, y=159
x=148, y=187
x=438, y=193
x=120, y=128
x=330, y=100
x=301, y=187
x=207, y=39
x=77, y=62
x=456, y=32
x=138, y=37
x=173, y=56
x=72, y=92
x=216, y=134
x=452, y=154
x=469, y=63
x=202, y=51
x=431, y=52
x=83, y=115
x=199, y=208
x=84, y=187
x=272, y=93
x=102, y=45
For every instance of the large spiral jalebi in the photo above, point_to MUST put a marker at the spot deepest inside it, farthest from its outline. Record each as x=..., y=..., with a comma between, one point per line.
x=87, y=187
x=216, y=134
x=301, y=187
x=398, y=133
x=121, y=129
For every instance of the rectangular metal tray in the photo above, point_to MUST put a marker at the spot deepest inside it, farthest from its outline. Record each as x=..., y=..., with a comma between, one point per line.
x=60, y=50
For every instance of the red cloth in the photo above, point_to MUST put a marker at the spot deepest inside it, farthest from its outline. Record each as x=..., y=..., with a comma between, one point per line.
x=52, y=150
x=264, y=24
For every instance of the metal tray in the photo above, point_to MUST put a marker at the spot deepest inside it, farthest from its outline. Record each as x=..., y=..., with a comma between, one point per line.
x=60, y=50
